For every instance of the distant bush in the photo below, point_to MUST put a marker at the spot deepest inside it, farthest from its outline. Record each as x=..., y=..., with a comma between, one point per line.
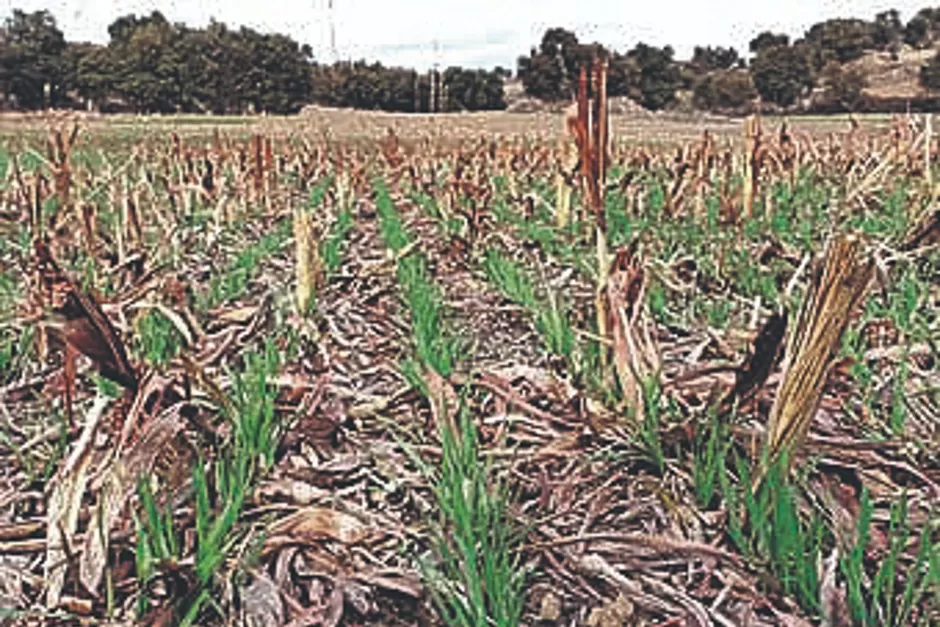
x=724, y=90
x=844, y=87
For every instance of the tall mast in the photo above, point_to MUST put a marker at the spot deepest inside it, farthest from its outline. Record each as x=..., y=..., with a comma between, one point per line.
x=332, y=31
x=435, y=101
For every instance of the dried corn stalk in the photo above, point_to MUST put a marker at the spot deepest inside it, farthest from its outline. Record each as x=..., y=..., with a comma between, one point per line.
x=833, y=296
x=567, y=168
x=590, y=131
x=752, y=143
x=309, y=270
x=636, y=359
x=59, y=151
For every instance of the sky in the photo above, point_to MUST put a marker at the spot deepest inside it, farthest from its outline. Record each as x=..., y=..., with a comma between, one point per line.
x=474, y=33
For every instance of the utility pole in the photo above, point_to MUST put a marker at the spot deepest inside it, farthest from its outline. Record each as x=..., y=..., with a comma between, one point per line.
x=327, y=23
x=436, y=78
x=333, y=32
x=432, y=81
x=417, y=92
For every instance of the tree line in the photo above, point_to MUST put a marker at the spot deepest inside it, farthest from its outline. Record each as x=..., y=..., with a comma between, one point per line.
x=781, y=72
x=152, y=65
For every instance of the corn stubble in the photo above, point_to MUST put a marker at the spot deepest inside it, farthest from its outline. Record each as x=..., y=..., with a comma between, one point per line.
x=836, y=290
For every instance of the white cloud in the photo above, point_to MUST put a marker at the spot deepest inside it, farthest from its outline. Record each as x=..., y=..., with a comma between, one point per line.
x=475, y=32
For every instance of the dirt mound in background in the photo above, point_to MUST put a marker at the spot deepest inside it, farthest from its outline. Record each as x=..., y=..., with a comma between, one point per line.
x=891, y=77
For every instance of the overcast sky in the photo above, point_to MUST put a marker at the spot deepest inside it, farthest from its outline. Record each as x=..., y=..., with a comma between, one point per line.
x=475, y=33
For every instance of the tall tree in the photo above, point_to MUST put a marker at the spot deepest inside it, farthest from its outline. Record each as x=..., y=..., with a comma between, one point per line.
x=543, y=76
x=89, y=71
x=842, y=40
x=623, y=77
x=768, y=39
x=473, y=90
x=783, y=74
x=887, y=29
x=147, y=62
x=551, y=70
x=844, y=86
x=31, y=47
x=278, y=72
x=659, y=76
x=921, y=31
x=708, y=58
x=724, y=90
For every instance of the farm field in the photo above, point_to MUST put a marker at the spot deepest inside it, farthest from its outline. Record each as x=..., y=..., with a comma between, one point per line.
x=367, y=369
x=350, y=124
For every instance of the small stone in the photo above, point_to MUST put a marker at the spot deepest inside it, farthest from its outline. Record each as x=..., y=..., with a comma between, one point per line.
x=616, y=613
x=550, y=609
x=262, y=602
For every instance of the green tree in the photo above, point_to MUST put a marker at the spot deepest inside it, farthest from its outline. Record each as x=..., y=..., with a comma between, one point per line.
x=623, y=77
x=708, y=58
x=473, y=90
x=551, y=71
x=783, y=74
x=844, y=86
x=146, y=62
x=659, y=76
x=31, y=47
x=887, y=30
x=724, y=90
x=768, y=39
x=543, y=77
x=561, y=47
x=921, y=30
x=841, y=39
x=163, y=67
x=89, y=71
x=277, y=79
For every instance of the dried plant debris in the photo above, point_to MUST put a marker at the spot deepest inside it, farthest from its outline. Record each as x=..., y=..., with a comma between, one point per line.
x=272, y=376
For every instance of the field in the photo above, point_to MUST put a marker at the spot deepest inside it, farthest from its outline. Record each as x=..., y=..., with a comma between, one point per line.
x=357, y=369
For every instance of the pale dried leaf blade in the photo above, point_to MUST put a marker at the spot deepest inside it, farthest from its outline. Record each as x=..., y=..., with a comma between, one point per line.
x=313, y=524
x=635, y=355
x=64, y=504
x=835, y=610
x=118, y=484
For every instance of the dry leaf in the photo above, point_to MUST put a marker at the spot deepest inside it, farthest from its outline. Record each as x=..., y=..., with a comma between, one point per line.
x=835, y=609
x=313, y=524
x=635, y=356
x=616, y=613
x=78, y=321
x=64, y=504
x=550, y=607
x=261, y=602
x=118, y=484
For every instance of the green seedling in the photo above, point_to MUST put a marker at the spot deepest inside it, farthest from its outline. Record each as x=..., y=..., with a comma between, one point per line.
x=475, y=576
x=157, y=340
x=220, y=487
